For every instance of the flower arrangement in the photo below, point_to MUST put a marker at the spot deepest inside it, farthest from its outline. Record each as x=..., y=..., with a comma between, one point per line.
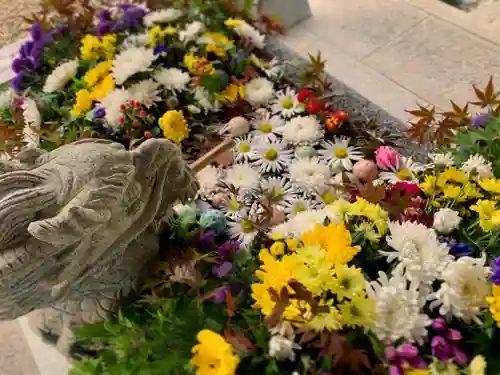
x=308, y=250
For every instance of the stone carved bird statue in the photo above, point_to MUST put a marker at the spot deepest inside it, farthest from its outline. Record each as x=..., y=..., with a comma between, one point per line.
x=78, y=226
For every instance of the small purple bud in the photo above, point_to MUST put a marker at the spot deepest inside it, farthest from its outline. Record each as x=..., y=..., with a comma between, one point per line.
x=221, y=270
x=105, y=15
x=454, y=334
x=19, y=65
x=480, y=119
x=390, y=353
x=125, y=6
x=104, y=28
x=220, y=295
x=36, y=31
x=438, y=324
x=26, y=48
x=460, y=356
x=18, y=82
x=407, y=351
x=461, y=249
x=99, y=113
x=440, y=348
x=207, y=238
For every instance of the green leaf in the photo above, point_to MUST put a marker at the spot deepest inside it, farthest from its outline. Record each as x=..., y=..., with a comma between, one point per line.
x=213, y=83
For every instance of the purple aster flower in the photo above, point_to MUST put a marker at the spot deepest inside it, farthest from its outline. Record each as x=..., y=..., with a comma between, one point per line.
x=105, y=15
x=26, y=48
x=207, y=238
x=125, y=6
x=495, y=271
x=19, y=64
x=99, y=113
x=480, y=119
x=221, y=270
x=18, y=82
x=220, y=295
x=440, y=348
x=36, y=31
x=117, y=27
x=227, y=249
x=104, y=28
x=460, y=249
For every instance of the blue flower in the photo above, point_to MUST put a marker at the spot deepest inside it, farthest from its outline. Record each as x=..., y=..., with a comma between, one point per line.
x=18, y=83
x=105, y=15
x=495, y=271
x=104, y=28
x=480, y=120
x=214, y=220
x=460, y=249
x=99, y=113
x=36, y=31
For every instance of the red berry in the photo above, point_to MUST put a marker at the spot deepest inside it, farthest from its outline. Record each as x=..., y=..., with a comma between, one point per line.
x=138, y=104
x=328, y=106
x=147, y=134
x=122, y=119
x=131, y=103
x=142, y=113
x=123, y=107
x=314, y=106
x=136, y=123
x=341, y=115
x=303, y=95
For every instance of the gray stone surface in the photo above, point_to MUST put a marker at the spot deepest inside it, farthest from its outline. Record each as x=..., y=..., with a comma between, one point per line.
x=288, y=12
x=78, y=225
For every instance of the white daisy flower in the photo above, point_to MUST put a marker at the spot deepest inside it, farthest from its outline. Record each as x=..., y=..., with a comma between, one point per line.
x=243, y=230
x=131, y=61
x=407, y=172
x=302, y=130
x=32, y=122
x=146, y=92
x=235, y=206
x=272, y=156
x=191, y=31
x=247, y=31
x=266, y=127
x=464, y=289
x=208, y=179
x=272, y=69
x=398, y=307
x=442, y=159
x=244, y=149
x=111, y=104
x=278, y=189
x=326, y=196
x=286, y=103
x=309, y=175
x=299, y=204
x=340, y=155
x=243, y=177
x=173, y=79
x=259, y=91
x=162, y=16
x=420, y=256
x=60, y=76
x=477, y=163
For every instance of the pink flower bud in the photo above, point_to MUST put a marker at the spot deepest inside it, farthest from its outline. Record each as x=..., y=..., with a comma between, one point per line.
x=387, y=158
x=365, y=170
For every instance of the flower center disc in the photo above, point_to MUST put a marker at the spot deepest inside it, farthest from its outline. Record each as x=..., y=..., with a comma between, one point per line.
x=244, y=147
x=404, y=175
x=287, y=103
x=246, y=226
x=271, y=154
x=265, y=128
x=340, y=153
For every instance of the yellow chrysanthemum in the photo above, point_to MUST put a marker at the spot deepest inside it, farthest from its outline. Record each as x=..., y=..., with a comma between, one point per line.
x=416, y=371
x=93, y=48
x=231, y=93
x=494, y=303
x=315, y=270
x=103, y=88
x=330, y=321
x=477, y=366
x=451, y=175
x=213, y=355
x=219, y=43
x=491, y=185
x=174, y=126
x=278, y=248
x=359, y=311
x=157, y=34
x=429, y=186
x=489, y=216
x=83, y=102
x=95, y=74
x=348, y=282
x=373, y=212
x=335, y=239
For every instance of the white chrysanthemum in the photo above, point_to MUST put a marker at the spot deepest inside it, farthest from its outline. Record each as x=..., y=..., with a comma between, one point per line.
x=205, y=100
x=244, y=149
x=446, y=220
x=162, y=16
x=302, y=222
x=136, y=40
x=421, y=257
x=286, y=103
x=278, y=189
x=464, y=289
x=208, y=179
x=282, y=348
x=442, y=160
x=250, y=33
x=477, y=163
x=60, y=76
x=259, y=91
x=407, y=172
x=243, y=230
x=302, y=130
x=146, y=92
x=398, y=309
x=243, y=177
x=111, y=104
x=309, y=175
x=191, y=31
x=299, y=204
x=272, y=156
x=131, y=61
x=173, y=79
x=266, y=127
x=339, y=155
x=32, y=121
